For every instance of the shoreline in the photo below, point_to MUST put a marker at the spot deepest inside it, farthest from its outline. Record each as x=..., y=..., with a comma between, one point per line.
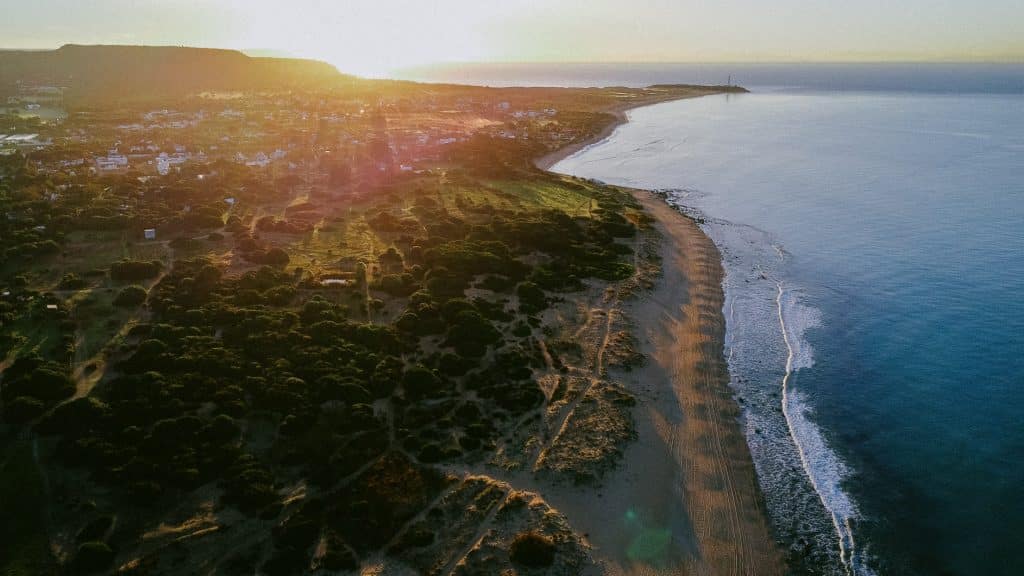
x=618, y=111
x=701, y=490
x=685, y=327
x=548, y=160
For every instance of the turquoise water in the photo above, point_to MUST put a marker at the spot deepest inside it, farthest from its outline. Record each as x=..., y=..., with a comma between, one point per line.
x=874, y=249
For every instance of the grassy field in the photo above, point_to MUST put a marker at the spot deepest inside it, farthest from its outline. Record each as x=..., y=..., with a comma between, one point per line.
x=545, y=194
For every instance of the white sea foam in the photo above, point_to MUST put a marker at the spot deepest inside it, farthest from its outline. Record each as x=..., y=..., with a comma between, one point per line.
x=759, y=359
x=824, y=468
x=765, y=344
x=796, y=319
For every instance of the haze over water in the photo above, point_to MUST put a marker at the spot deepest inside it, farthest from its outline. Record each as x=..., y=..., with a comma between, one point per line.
x=874, y=248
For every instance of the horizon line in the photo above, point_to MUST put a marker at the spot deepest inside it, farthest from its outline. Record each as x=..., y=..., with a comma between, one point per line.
x=946, y=59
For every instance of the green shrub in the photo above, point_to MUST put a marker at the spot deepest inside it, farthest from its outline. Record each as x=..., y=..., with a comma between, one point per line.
x=276, y=257
x=131, y=296
x=421, y=382
x=531, y=298
x=471, y=333
x=93, y=557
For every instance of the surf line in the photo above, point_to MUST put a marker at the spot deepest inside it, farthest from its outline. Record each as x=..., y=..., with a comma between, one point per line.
x=844, y=531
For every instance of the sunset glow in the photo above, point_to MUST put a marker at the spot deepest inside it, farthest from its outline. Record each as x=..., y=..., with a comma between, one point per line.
x=372, y=38
x=468, y=287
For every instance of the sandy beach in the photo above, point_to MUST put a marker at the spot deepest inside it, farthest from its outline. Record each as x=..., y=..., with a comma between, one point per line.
x=618, y=111
x=684, y=499
x=548, y=160
x=683, y=333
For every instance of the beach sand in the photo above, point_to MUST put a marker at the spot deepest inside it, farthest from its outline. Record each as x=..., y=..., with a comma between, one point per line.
x=619, y=110
x=684, y=499
x=684, y=331
x=548, y=160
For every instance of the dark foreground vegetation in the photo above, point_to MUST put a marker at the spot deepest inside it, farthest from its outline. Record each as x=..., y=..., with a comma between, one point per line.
x=285, y=359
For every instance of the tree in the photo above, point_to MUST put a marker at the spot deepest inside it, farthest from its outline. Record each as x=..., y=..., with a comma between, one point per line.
x=276, y=257
x=386, y=375
x=421, y=382
x=471, y=333
x=531, y=298
x=131, y=296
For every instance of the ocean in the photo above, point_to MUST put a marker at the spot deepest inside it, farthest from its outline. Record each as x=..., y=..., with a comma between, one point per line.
x=871, y=224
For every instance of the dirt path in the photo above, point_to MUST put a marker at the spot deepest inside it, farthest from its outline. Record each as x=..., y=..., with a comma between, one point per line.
x=481, y=533
x=609, y=307
x=86, y=378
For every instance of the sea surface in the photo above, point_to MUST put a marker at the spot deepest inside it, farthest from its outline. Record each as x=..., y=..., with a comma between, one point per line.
x=990, y=78
x=872, y=232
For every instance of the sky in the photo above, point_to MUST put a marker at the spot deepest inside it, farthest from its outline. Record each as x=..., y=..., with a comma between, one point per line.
x=372, y=37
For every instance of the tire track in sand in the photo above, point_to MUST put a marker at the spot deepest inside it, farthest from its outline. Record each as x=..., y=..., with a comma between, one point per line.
x=720, y=488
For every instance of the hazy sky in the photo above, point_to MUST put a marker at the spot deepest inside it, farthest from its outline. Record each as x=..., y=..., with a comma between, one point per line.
x=374, y=36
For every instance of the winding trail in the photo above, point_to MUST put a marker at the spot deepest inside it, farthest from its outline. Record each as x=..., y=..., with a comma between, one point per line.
x=85, y=382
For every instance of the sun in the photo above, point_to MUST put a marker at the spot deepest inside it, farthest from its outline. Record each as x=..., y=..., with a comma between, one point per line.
x=369, y=38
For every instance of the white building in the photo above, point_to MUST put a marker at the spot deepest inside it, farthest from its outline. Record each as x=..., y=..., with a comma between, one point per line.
x=112, y=161
x=260, y=159
x=165, y=161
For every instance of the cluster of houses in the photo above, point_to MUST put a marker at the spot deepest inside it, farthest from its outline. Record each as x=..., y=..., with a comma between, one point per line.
x=114, y=160
x=354, y=132
x=260, y=159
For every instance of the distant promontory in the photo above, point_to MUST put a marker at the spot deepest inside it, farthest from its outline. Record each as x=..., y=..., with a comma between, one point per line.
x=88, y=73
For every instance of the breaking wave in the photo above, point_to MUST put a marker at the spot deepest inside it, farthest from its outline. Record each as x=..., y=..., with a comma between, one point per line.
x=823, y=467
x=766, y=345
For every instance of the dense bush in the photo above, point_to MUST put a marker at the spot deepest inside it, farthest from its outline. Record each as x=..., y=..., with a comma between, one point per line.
x=470, y=334
x=134, y=270
x=72, y=282
x=276, y=257
x=131, y=296
x=32, y=377
x=421, y=382
x=398, y=284
x=531, y=298
x=532, y=549
x=22, y=410
x=92, y=557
